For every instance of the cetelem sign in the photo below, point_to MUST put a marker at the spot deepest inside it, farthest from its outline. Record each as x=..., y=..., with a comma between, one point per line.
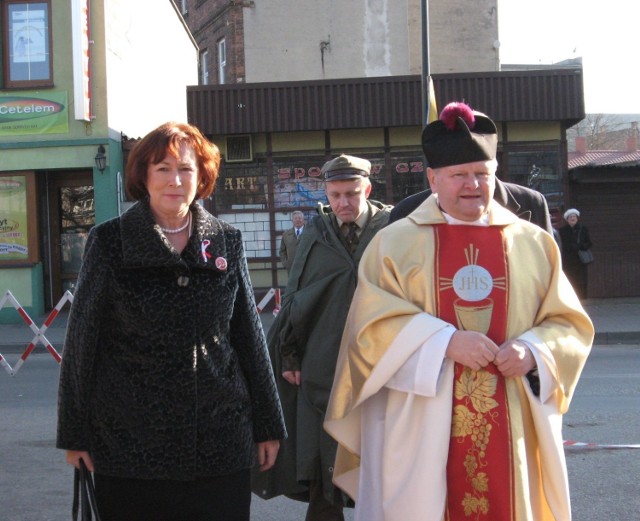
x=17, y=109
x=41, y=114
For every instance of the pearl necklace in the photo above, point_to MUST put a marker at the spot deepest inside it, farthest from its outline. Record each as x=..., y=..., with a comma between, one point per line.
x=178, y=230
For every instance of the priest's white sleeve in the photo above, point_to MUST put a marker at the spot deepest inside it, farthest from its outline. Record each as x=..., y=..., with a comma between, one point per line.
x=421, y=372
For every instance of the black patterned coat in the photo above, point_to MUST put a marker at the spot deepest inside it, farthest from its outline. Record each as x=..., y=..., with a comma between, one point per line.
x=165, y=372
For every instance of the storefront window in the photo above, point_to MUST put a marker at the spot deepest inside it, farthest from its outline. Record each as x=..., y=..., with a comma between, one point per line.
x=260, y=205
x=537, y=168
x=241, y=188
x=17, y=221
x=409, y=176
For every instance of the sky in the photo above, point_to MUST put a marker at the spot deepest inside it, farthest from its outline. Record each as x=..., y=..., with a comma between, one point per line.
x=605, y=34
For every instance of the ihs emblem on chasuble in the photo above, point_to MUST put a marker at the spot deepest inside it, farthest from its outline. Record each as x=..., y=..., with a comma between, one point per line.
x=473, y=284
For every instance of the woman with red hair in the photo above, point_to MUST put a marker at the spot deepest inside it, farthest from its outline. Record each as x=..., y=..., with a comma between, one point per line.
x=166, y=389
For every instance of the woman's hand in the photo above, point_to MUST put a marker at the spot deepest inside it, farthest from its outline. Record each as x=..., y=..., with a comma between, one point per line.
x=267, y=452
x=74, y=457
x=293, y=377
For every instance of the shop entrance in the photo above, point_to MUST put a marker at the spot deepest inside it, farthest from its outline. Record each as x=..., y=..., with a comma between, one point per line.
x=71, y=214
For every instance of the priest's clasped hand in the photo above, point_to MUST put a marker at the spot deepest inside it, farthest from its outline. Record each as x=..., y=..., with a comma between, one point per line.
x=514, y=359
x=476, y=350
x=472, y=349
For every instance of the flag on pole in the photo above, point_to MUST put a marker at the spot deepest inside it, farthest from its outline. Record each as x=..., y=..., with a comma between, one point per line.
x=433, y=107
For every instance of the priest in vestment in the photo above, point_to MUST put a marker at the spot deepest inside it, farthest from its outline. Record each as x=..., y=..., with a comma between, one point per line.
x=461, y=352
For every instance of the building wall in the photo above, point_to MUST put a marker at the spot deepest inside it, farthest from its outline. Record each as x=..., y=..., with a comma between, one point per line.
x=138, y=81
x=211, y=20
x=63, y=81
x=289, y=40
x=142, y=57
x=463, y=36
x=335, y=39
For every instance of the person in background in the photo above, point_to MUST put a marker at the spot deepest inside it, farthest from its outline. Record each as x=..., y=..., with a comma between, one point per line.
x=574, y=237
x=461, y=352
x=166, y=388
x=305, y=336
x=290, y=239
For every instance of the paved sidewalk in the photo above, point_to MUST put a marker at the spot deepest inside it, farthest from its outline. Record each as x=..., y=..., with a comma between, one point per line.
x=617, y=321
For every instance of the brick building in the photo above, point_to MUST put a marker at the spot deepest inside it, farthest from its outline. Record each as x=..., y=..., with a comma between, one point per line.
x=285, y=85
x=245, y=41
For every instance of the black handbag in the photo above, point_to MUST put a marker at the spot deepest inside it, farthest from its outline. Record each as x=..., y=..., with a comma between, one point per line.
x=84, y=495
x=586, y=257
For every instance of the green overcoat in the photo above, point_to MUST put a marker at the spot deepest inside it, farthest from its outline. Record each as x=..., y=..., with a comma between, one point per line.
x=307, y=332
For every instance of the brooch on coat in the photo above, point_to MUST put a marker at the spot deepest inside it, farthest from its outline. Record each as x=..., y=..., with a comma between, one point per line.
x=220, y=262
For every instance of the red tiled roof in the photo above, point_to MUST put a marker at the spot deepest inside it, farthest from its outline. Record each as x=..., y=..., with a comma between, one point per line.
x=596, y=158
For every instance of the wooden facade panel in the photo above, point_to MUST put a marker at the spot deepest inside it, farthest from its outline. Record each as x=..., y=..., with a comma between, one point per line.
x=392, y=101
x=614, y=274
x=610, y=211
x=518, y=95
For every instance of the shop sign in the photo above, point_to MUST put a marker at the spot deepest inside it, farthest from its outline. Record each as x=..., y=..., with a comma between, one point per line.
x=313, y=172
x=34, y=114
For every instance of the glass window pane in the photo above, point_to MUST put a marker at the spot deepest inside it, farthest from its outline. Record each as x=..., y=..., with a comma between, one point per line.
x=29, y=54
x=538, y=168
x=222, y=61
x=77, y=218
x=204, y=68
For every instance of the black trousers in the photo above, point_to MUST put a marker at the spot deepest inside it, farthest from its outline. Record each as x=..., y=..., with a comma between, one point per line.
x=223, y=498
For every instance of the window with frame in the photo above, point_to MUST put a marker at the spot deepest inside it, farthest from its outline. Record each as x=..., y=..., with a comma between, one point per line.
x=26, y=44
x=222, y=60
x=204, y=68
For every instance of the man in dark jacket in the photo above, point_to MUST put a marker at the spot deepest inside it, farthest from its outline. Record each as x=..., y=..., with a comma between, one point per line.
x=290, y=240
x=305, y=338
x=526, y=203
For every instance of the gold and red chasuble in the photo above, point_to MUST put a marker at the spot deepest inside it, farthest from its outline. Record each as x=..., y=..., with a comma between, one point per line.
x=471, y=281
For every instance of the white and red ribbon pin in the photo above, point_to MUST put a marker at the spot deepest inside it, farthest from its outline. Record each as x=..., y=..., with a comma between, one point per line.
x=203, y=250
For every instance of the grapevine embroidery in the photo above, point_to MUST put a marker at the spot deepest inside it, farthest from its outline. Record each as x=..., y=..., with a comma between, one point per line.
x=475, y=418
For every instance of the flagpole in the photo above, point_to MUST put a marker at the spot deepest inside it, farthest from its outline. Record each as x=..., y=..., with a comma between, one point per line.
x=425, y=62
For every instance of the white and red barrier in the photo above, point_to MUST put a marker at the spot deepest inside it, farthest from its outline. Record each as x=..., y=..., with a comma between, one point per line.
x=583, y=445
x=39, y=332
x=265, y=300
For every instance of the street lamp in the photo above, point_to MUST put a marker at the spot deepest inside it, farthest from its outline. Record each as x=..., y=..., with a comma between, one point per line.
x=101, y=159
